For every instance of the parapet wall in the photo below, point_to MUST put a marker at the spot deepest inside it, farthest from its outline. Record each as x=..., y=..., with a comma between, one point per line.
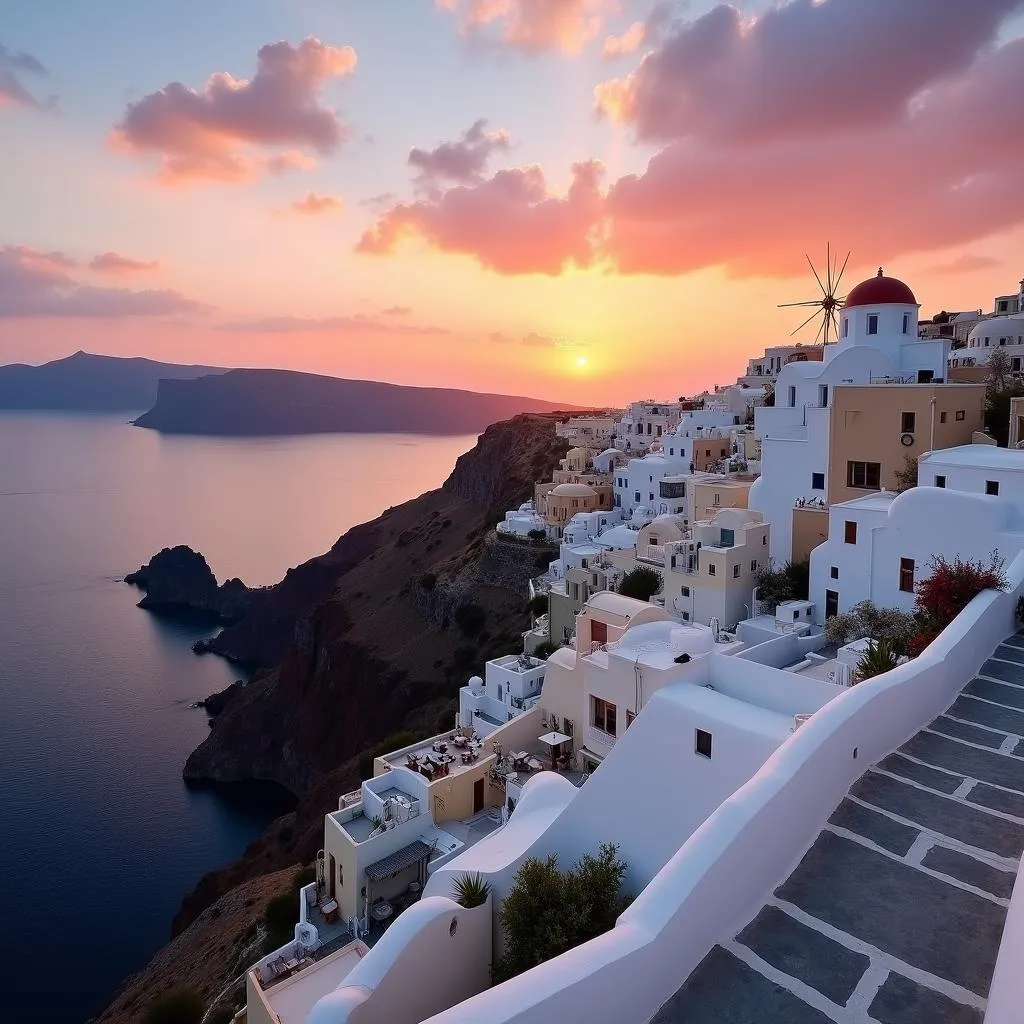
x=722, y=875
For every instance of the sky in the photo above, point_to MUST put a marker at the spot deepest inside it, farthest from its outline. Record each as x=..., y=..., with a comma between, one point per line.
x=589, y=201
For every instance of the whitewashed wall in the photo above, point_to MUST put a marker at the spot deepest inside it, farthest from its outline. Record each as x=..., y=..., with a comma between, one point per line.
x=721, y=877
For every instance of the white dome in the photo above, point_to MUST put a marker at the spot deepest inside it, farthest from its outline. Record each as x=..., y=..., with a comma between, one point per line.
x=997, y=327
x=574, y=491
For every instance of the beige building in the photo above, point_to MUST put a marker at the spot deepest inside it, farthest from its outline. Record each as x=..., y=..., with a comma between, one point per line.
x=712, y=494
x=1016, y=422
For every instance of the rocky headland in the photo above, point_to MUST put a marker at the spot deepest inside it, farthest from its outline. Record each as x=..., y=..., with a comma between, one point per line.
x=370, y=639
x=178, y=581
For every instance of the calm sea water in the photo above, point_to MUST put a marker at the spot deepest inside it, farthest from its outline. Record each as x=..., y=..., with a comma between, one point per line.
x=99, y=836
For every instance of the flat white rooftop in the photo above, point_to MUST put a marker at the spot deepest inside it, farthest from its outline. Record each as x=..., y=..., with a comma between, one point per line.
x=293, y=998
x=879, y=501
x=976, y=456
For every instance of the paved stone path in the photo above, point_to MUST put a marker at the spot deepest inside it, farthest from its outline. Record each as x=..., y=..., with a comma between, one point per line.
x=895, y=913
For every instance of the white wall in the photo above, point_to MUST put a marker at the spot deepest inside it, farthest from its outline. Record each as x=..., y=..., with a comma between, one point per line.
x=1006, y=994
x=718, y=880
x=433, y=956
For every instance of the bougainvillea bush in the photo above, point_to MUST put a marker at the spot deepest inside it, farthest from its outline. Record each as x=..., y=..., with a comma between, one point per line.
x=948, y=590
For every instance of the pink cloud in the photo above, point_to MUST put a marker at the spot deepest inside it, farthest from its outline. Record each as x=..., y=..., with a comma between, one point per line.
x=535, y=26
x=13, y=65
x=510, y=222
x=398, y=311
x=222, y=132
x=315, y=203
x=801, y=69
x=359, y=323
x=113, y=263
x=463, y=161
x=628, y=42
x=966, y=264
x=38, y=284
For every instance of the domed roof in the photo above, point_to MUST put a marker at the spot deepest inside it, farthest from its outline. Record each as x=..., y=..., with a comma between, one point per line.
x=879, y=291
x=1012, y=323
x=574, y=491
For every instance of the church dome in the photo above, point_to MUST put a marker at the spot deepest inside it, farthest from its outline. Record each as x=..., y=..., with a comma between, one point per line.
x=879, y=291
x=574, y=491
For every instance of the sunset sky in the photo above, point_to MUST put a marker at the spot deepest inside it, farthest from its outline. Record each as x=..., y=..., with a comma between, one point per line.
x=582, y=200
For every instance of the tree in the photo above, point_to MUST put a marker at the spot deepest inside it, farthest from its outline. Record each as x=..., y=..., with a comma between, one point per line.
x=997, y=412
x=865, y=618
x=999, y=371
x=907, y=476
x=538, y=604
x=641, y=582
x=949, y=589
x=548, y=911
x=544, y=650
x=941, y=317
x=790, y=583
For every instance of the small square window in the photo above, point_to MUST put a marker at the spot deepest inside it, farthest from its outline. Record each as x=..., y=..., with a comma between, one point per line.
x=817, y=481
x=961, y=414
x=942, y=417
x=686, y=616
x=940, y=481
x=850, y=532
x=711, y=569
x=992, y=487
x=834, y=572
x=703, y=743
x=872, y=323
x=735, y=572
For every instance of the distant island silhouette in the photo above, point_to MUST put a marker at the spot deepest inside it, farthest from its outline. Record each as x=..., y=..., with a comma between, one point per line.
x=274, y=402
x=183, y=399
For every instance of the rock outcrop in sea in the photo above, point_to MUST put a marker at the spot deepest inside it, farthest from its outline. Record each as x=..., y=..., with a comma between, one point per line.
x=178, y=581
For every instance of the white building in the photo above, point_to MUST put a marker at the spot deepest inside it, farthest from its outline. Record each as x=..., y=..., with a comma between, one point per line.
x=511, y=685
x=970, y=502
x=764, y=369
x=878, y=344
x=643, y=423
x=1005, y=333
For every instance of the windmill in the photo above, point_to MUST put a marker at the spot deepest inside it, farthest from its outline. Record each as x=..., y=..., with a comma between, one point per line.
x=828, y=305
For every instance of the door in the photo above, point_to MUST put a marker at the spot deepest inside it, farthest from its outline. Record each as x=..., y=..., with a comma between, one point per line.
x=478, y=795
x=831, y=603
x=332, y=864
x=598, y=632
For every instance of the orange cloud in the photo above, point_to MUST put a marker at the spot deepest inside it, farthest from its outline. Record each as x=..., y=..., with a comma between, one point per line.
x=510, y=222
x=535, y=26
x=222, y=132
x=113, y=263
x=315, y=203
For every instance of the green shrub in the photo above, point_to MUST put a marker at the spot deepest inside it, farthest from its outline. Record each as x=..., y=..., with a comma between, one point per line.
x=641, y=583
x=179, y=1006
x=544, y=650
x=866, y=619
x=470, y=890
x=548, y=911
x=280, y=919
x=539, y=604
x=537, y=534
x=878, y=658
x=790, y=583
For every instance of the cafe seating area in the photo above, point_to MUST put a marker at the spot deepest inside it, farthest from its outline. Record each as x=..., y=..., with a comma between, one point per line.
x=443, y=754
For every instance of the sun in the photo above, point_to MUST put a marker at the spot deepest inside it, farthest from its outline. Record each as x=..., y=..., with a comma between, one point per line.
x=581, y=362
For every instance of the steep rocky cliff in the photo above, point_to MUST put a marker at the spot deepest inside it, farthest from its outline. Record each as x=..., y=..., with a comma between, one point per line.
x=371, y=638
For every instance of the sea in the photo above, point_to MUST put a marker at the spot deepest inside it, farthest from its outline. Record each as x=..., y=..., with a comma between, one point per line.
x=99, y=836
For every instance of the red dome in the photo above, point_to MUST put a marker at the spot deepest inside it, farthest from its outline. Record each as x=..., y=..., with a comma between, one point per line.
x=879, y=290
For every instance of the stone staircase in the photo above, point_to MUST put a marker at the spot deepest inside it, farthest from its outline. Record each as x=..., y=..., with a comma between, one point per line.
x=895, y=913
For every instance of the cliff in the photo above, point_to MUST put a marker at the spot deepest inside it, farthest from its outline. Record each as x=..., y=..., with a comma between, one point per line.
x=271, y=402
x=364, y=639
x=178, y=581
x=90, y=382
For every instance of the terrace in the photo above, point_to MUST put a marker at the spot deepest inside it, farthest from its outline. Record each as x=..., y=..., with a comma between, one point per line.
x=443, y=756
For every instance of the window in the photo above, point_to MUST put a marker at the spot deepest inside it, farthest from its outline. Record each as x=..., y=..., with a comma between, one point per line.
x=864, y=474
x=817, y=481
x=702, y=743
x=711, y=569
x=602, y=715
x=906, y=322
x=735, y=572
x=834, y=572
x=792, y=396
x=823, y=395
x=684, y=591
x=764, y=540
x=942, y=417
x=846, y=326
x=728, y=538
x=909, y=421
x=850, y=532
x=872, y=323
x=907, y=575
x=629, y=717
x=753, y=565
x=940, y=481
x=686, y=616
x=961, y=414
x=992, y=487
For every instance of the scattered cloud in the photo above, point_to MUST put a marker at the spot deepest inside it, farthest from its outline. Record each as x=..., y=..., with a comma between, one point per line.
x=223, y=132
x=13, y=66
x=640, y=33
x=461, y=162
x=726, y=77
x=510, y=223
x=315, y=203
x=360, y=323
x=398, y=311
x=965, y=264
x=113, y=263
x=533, y=26
x=380, y=202
x=39, y=284
x=536, y=340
